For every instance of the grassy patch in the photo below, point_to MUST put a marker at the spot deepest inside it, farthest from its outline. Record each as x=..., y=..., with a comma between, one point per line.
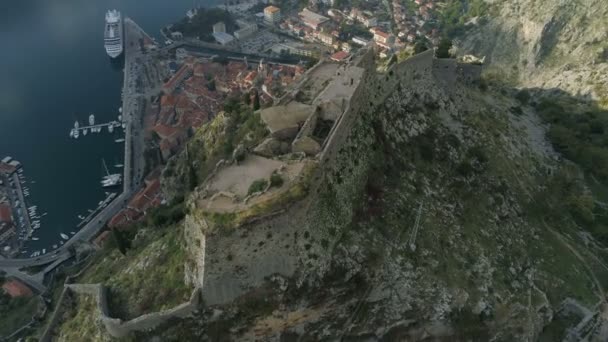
x=149, y=278
x=83, y=325
x=258, y=185
x=282, y=198
x=18, y=313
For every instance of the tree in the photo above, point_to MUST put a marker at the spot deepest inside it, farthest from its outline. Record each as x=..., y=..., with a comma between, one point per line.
x=257, y=186
x=247, y=98
x=211, y=85
x=121, y=242
x=419, y=47
x=443, y=50
x=256, y=101
x=523, y=96
x=192, y=177
x=276, y=180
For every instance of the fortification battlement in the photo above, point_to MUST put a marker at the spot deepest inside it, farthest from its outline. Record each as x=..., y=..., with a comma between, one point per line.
x=116, y=327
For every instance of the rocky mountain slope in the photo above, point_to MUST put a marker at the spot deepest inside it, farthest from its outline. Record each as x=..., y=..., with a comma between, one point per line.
x=561, y=44
x=440, y=218
x=442, y=213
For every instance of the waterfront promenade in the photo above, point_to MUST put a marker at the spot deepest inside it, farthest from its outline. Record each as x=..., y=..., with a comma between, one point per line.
x=133, y=163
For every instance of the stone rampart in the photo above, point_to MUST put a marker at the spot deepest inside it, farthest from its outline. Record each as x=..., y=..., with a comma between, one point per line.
x=56, y=315
x=117, y=328
x=114, y=326
x=290, y=95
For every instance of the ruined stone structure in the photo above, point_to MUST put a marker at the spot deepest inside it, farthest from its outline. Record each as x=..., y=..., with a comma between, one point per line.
x=348, y=100
x=114, y=326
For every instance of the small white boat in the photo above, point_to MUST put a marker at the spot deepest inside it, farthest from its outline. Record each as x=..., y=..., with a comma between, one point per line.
x=72, y=233
x=119, y=140
x=35, y=239
x=120, y=110
x=54, y=246
x=76, y=125
x=61, y=242
x=91, y=120
x=110, y=128
x=63, y=236
x=84, y=131
x=44, y=251
x=118, y=166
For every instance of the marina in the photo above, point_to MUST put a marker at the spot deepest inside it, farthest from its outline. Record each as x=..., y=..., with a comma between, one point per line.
x=18, y=221
x=68, y=185
x=84, y=130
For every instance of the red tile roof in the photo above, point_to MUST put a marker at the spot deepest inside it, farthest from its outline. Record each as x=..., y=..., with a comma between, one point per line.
x=381, y=34
x=6, y=168
x=165, y=131
x=15, y=288
x=183, y=102
x=118, y=220
x=168, y=100
x=5, y=213
x=101, y=239
x=339, y=56
x=250, y=76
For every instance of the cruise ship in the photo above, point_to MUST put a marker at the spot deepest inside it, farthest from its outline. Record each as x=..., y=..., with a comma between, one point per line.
x=113, y=34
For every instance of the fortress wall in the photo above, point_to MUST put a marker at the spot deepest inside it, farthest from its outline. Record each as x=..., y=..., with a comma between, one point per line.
x=194, y=266
x=293, y=91
x=307, y=128
x=444, y=70
x=469, y=73
x=118, y=329
x=114, y=326
x=373, y=91
x=55, y=317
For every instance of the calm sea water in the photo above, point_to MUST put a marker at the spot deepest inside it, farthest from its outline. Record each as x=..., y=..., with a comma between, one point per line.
x=54, y=71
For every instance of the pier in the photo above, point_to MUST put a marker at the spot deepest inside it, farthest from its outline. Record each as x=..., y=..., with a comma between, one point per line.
x=95, y=128
x=114, y=124
x=11, y=185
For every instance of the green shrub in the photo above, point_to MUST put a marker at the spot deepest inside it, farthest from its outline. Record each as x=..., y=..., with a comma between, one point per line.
x=257, y=186
x=443, y=50
x=523, y=96
x=276, y=180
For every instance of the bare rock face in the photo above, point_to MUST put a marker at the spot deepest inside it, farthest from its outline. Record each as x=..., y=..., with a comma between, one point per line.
x=307, y=145
x=194, y=266
x=271, y=147
x=547, y=44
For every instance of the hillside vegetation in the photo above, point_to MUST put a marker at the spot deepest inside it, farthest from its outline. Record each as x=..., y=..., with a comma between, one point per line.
x=149, y=278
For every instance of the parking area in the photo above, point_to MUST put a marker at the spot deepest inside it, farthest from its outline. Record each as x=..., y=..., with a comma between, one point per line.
x=260, y=42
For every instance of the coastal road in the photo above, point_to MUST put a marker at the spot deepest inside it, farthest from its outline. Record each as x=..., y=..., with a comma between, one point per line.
x=88, y=232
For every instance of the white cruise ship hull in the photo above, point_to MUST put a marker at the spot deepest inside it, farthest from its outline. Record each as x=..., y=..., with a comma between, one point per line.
x=113, y=34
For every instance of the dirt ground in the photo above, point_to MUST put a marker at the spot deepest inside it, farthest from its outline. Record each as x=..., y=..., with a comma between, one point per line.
x=237, y=178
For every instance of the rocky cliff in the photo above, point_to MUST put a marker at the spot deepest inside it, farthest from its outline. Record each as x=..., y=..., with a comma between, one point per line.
x=559, y=44
x=434, y=214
